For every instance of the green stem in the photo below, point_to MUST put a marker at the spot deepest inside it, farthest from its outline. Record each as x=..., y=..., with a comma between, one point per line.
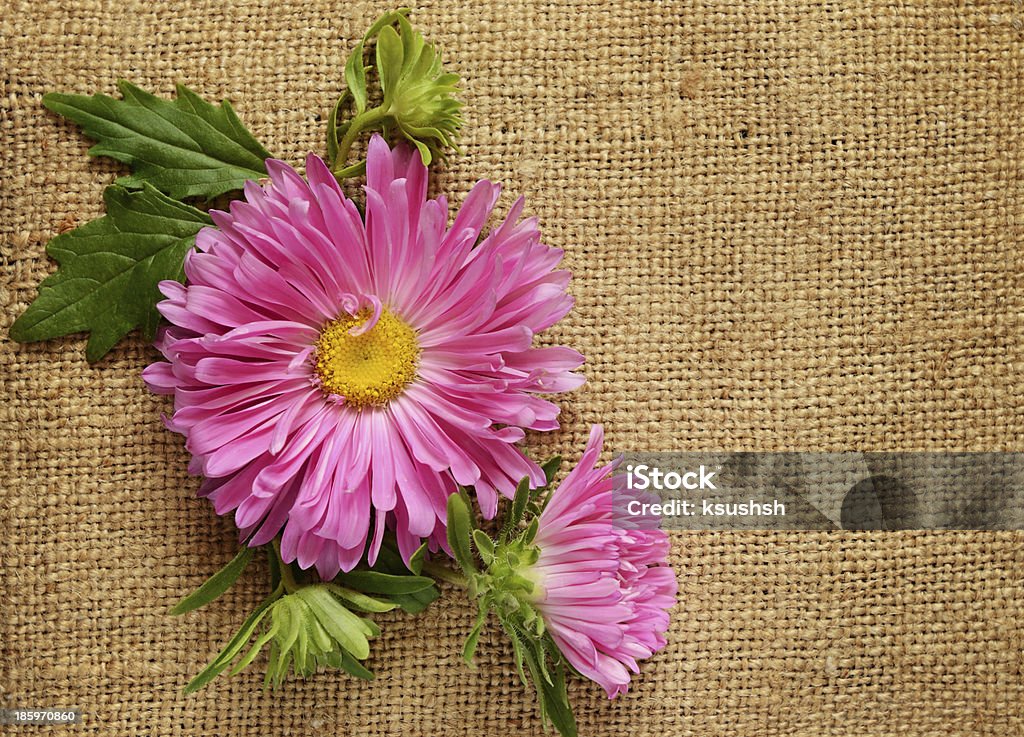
x=444, y=573
x=366, y=119
x=287, y=574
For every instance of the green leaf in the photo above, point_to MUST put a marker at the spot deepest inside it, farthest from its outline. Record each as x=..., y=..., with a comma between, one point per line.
x=531, y=531
x=375, y=582
x=555, y=704
x=110, y=269
x=459, y=530
x=469, y=649
x=417, y=558
x=360, y=600
x=274, y=565
x=234, y=646
x=255, y=649
x=216, y=585
x=185, y=147
x=390, y=561
x=347, y=663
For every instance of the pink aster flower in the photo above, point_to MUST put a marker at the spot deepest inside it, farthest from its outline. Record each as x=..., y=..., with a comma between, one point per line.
x=336, y=375
x=603, y=591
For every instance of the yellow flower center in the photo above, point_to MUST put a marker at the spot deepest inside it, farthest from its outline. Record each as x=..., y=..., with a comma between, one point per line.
x=368, y=369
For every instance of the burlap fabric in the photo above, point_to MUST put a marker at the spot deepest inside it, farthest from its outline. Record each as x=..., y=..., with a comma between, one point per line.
x=793, y=225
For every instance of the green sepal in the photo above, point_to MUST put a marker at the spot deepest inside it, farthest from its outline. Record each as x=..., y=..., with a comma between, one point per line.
x=110, y=270
x=216, y=584
x=185, y=148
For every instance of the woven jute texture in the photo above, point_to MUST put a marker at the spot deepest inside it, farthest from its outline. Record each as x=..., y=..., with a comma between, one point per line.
x=793, y=225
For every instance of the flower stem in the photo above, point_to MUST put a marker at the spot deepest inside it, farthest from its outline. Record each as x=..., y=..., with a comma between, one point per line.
x=444, y=573
x=287, y=575
x=365, y=119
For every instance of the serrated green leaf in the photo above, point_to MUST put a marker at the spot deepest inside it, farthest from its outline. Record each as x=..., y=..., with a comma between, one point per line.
x=216, y=584
x=110, y=269
x=185, y=147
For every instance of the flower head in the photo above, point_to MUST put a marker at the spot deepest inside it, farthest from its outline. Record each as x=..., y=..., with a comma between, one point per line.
x=603, y=591
x=573, y=586
x=336, y=376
